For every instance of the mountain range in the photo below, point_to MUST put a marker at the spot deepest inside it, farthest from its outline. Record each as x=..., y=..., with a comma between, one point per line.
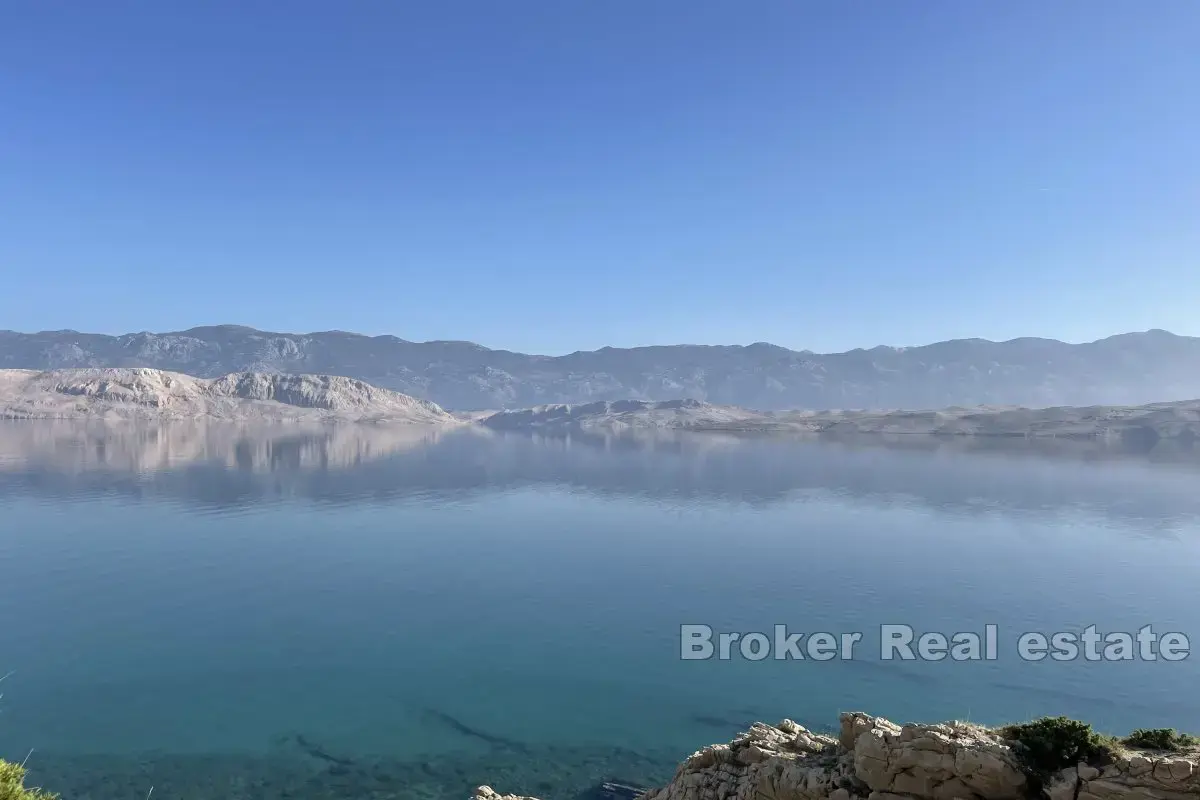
x=1131, y=368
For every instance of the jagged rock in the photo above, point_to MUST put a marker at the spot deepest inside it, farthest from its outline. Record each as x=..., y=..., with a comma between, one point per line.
x=784, y=762
x=876, y=759
x=1134, y=775
x=938, y=761
x=488, y=793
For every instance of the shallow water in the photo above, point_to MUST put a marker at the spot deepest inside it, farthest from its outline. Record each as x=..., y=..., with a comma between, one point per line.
x=222, y=612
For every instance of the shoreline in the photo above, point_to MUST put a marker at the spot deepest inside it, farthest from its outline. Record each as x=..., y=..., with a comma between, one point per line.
x=872, y=758
x=154, y=396
x=863, y=758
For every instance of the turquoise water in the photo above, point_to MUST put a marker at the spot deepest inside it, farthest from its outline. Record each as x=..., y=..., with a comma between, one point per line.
x=352, y=615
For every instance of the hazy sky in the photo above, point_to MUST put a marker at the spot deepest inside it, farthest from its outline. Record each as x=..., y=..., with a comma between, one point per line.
x=553, y=175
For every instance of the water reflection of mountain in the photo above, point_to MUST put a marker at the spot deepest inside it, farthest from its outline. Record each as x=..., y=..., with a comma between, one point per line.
x=131, y=448
x=225, y=465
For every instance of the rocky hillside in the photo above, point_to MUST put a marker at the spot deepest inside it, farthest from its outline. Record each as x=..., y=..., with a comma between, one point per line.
x=1176, y=422
x=250, y=396
x=154, y=394
x=1127, y=369
x=622, y=414
x=875, y=759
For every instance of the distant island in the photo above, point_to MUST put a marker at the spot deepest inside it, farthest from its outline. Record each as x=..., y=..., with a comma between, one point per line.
x=149, y=394
x=1126, y=369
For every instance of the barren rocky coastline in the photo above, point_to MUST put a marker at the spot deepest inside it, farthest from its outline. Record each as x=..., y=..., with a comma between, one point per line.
x=148, y=394
x=159, y=395
x=873, y=758
x=1178, y=421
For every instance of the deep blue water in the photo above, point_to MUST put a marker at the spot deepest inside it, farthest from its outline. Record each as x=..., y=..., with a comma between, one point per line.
x=230, y=603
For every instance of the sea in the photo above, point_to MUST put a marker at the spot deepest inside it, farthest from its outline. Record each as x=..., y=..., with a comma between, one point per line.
x=212, y=611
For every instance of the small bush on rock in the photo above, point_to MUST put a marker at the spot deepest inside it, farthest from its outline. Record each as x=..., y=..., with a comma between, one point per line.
x=1050, y=744
x=1167, y=739
x=12, y=784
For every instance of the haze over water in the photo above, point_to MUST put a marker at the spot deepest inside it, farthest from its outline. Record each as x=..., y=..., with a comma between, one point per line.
x=404, y=601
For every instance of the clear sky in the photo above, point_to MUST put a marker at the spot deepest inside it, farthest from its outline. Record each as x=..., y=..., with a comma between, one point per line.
x=553, y=175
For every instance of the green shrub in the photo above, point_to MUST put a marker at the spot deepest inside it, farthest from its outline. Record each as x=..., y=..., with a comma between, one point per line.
x=12, y=784
x=1160, y=739
x=1050, y=744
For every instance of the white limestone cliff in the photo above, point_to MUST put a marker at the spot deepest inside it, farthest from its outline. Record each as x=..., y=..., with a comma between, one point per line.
x=875, y=759
x=245, y=396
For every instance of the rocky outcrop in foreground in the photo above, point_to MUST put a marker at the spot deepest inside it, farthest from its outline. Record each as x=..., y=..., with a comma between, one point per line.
x=875, y=759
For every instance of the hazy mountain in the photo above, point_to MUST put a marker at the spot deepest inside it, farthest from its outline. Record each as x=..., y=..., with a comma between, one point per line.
x=1131, y=368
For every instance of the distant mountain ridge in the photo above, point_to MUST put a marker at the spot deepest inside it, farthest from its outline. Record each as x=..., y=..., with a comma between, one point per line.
x=1131, y=368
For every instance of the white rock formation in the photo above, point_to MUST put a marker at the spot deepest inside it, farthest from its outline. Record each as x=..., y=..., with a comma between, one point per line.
x=1134, y=775
x=248, y=396
x=875, y=759
x=488, y=793
x=155, y=394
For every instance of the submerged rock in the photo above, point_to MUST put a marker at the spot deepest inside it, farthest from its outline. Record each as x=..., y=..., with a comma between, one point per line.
x=613, y=790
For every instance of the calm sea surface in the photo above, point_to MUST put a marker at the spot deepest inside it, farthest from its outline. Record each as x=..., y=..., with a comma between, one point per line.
x=381, y=613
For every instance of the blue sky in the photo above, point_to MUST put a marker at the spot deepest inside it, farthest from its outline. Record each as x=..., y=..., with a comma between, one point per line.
x=554, y=175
